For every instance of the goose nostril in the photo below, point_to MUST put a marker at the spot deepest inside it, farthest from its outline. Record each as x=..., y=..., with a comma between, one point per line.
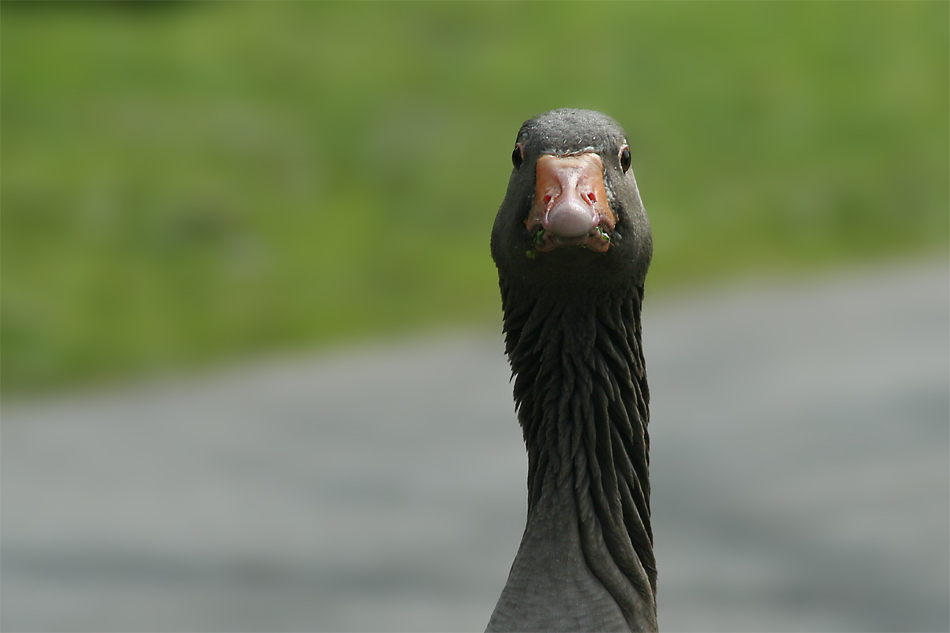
x=592, y=197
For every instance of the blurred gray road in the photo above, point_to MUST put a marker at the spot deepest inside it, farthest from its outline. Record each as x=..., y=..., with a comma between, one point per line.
x=801, y=459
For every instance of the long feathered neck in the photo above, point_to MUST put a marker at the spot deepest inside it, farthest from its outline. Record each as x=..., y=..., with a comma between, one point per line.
x=582, y=398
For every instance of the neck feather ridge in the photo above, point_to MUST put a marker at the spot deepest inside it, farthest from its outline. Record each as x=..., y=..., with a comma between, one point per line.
x=583, y=403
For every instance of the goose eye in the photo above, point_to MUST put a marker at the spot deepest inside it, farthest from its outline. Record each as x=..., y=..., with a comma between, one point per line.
x=625, y=158
x=517, y=156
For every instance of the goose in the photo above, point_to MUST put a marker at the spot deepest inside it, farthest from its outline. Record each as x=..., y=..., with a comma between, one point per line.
x=572, y=246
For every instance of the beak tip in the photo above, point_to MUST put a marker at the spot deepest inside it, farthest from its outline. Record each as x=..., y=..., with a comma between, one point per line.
x=569, y=219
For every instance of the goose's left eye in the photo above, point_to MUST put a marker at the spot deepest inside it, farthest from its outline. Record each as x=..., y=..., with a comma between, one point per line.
x=625, y=158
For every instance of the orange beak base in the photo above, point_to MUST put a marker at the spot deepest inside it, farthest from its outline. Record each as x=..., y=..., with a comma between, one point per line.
x=570, y=204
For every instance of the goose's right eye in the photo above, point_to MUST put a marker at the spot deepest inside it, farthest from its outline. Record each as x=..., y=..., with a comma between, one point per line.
x=517, y=156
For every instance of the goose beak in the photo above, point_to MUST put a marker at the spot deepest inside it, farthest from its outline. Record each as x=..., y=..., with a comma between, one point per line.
x=570, y=204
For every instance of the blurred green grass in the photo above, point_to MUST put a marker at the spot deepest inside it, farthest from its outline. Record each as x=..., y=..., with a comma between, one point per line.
x=185, y=183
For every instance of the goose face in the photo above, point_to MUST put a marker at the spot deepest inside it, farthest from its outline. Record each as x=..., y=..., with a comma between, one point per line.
x=572, y=210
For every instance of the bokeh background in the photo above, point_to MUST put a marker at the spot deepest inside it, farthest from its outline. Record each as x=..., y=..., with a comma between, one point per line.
x=191, y=187
x=184, y=183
